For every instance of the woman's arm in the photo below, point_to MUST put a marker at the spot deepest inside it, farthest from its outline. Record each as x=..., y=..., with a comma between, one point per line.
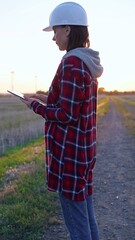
x=71, y=94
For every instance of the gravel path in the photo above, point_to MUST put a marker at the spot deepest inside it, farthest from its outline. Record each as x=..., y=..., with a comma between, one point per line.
x=114, y=181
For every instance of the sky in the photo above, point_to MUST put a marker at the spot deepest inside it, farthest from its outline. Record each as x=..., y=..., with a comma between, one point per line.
x=29, y=58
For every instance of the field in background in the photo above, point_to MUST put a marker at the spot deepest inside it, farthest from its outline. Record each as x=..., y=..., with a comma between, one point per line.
x=18, y=124
x=126, y=106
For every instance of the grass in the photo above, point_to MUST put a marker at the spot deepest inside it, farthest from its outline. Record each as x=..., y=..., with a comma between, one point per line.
x=18, y=124
x=29, y=208
x=130, y=100
x=21, y=155
x=26, y=212
x=127, y=114
x=103, y=107
x=14, y=113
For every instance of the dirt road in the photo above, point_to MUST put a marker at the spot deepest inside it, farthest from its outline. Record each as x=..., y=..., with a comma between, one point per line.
x=114, y=182
x=114, y=179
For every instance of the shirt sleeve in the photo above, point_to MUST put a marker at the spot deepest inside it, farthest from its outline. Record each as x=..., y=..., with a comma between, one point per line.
x=71, y=93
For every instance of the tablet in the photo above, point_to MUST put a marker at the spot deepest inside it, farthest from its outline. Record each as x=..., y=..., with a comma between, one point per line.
x=20, y=95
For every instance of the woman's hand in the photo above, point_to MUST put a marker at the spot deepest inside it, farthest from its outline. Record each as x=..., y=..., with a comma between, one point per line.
x=27, y=101
x=39, y=97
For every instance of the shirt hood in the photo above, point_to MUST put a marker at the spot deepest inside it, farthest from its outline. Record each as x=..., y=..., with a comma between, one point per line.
x=90, y=58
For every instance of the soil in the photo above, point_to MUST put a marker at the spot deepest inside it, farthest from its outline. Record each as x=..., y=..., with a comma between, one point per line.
x=114, y=181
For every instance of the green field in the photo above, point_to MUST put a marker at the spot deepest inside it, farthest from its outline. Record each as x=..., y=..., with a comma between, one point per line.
x=26, y=205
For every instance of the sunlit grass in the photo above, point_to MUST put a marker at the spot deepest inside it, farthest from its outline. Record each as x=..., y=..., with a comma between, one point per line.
x=18, y=124
x=130, y=100
x=20, y=155
x=28, y=208
x=127, y=114
x=103, y=107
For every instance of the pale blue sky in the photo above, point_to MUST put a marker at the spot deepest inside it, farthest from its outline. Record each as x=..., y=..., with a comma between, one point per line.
x=33, y=57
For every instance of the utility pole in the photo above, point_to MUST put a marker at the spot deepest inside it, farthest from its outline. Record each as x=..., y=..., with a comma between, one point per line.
x=12, y=80
x=35, y=83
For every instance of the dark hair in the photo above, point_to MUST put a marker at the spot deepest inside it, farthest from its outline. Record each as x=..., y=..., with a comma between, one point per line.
x=78, y=37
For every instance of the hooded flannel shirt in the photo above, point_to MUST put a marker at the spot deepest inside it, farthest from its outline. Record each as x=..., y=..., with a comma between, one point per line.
x=70, y=129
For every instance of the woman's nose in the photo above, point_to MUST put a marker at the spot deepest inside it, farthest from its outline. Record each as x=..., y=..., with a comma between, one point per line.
x=54, y=38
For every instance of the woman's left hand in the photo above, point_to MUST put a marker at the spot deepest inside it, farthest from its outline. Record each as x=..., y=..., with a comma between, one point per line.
x=27, y=101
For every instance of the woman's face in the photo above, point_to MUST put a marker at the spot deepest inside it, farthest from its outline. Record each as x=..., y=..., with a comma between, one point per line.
x=61, y=34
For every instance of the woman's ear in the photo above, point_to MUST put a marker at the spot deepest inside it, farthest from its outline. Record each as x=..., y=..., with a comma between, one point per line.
x=68, y=29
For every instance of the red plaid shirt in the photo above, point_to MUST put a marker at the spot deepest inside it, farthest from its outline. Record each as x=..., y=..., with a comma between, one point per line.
x=70, y=129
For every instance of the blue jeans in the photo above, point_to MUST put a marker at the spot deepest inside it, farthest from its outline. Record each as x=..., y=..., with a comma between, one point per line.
x=80, y=218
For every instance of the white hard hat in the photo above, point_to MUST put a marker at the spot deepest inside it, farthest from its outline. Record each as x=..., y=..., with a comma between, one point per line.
x=67, y=13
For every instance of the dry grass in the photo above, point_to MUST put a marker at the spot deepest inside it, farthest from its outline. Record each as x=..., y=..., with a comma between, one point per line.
x=18, y=124
x=126, y=108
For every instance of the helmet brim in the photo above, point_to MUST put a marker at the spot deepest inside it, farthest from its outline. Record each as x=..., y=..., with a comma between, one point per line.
x=48, y=29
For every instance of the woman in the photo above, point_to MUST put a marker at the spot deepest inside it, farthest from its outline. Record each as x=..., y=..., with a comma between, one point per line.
x=70, y=120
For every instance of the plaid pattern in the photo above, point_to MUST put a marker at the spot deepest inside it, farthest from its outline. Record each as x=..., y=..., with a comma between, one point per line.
x=70, y=129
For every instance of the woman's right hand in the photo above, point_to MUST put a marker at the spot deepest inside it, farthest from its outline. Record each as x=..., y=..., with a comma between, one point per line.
x=40, y=97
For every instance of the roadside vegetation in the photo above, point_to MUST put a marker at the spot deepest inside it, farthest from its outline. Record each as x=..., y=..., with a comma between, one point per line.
x=126, y=106
x=103, y=106
x=26, y=205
